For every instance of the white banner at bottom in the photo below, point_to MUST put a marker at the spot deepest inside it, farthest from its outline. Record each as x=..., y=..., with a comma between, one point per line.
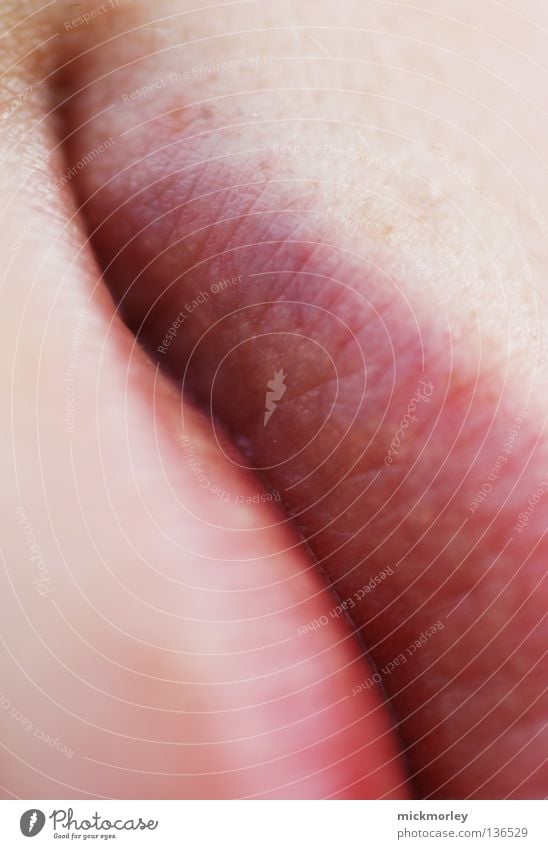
x=271, y=824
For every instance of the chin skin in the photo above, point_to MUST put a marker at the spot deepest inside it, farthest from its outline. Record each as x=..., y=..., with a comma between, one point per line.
x=153, y=647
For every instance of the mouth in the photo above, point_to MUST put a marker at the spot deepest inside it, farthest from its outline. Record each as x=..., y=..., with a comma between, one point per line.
x=405, y=457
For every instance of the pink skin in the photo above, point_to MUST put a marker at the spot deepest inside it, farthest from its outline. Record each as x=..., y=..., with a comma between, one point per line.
x=191, y=647
x=355, y=342
x=161, y=645
x=154, y=646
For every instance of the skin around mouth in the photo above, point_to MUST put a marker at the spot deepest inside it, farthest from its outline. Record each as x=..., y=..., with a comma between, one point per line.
x=264, y=274
x=402, y=454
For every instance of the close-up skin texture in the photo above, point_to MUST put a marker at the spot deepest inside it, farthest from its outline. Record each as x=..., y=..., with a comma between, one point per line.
x=274, y=365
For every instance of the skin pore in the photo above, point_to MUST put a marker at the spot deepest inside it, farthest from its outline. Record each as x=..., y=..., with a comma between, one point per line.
x=348, y=601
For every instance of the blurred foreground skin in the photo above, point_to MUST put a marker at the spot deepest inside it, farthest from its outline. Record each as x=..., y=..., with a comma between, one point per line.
x=322, y=360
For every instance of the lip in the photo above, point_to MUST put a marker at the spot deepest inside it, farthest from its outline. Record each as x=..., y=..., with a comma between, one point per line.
x=358, y=345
